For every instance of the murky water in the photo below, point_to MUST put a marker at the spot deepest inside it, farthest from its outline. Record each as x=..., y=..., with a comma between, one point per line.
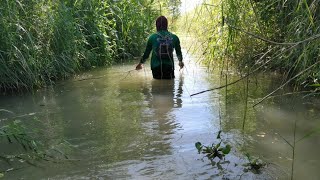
x=120, y=124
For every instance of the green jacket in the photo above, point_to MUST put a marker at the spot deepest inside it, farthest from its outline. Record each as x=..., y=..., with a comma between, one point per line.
x=152, y=44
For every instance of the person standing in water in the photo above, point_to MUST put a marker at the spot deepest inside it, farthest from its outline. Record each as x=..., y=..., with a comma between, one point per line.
x=162, y=43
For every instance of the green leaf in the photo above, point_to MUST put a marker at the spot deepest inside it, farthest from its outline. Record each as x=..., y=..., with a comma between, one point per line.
x=315, y=85
x=218, y=136
x=1, y=175
x=226, y=149
x=211, y=156
x=218, y=145
x=198, y=146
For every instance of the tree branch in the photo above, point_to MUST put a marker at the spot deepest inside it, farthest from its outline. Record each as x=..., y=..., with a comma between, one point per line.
x=240, y=78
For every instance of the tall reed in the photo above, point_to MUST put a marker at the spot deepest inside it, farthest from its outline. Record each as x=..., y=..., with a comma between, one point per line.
x=240, y=32
x=42, y=41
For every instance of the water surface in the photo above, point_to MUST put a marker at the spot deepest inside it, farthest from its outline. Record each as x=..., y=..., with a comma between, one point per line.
x=118, y=123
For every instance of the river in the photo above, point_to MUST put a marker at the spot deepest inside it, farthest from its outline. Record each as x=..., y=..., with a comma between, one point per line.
x=118, y=123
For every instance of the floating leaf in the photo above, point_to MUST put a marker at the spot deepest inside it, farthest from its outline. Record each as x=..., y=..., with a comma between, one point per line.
x=198, y=146
x=226, y=149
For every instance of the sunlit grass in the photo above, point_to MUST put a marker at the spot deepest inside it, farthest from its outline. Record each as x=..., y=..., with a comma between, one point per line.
x=237, y=33
x=43, y=41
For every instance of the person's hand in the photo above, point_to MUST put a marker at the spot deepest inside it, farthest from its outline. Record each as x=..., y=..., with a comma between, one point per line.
x=181, y=64
x=139, y=66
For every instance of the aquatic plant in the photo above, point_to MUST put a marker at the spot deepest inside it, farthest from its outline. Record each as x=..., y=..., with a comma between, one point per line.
x=34, y=151
x=213, y=151
x=15, y=131
x=254, y=163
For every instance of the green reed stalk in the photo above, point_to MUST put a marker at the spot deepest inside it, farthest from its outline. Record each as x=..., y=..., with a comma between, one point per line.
x=43, y=41
x=270, y=21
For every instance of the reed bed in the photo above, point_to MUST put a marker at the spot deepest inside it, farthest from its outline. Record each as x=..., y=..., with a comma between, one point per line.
x=238, y=33
x=43, y=41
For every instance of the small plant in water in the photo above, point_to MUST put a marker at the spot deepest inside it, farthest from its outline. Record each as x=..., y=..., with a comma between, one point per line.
x=213, y=151
x=254, y=164
x=34, y=151
x=16, y=131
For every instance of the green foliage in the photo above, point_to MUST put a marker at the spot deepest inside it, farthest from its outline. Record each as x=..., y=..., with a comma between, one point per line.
x=213, y=151
x=173, y=8
x=42, y=41
x=274, y=35
x=17, y=132
x=32, y=151
x=170, y=9
x=295, y=21
x=254, y=164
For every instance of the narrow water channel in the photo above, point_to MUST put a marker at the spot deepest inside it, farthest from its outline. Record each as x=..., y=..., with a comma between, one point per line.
x=114, y=123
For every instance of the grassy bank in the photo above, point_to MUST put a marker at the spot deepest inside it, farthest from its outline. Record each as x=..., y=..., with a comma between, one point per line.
x=42, y=41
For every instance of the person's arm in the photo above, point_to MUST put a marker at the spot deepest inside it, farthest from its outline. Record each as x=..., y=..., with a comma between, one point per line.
x=145, y=54
x=179, y=53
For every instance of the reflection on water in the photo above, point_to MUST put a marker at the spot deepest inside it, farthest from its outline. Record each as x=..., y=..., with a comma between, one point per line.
x=119, y=126
x=130, y=126
x=275, y=125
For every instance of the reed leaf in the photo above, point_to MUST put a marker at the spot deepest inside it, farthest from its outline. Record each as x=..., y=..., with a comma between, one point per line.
x=44, y=41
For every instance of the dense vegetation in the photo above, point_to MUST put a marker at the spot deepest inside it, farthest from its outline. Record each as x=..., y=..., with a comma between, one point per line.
x=42, y=41
x=249, y=35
